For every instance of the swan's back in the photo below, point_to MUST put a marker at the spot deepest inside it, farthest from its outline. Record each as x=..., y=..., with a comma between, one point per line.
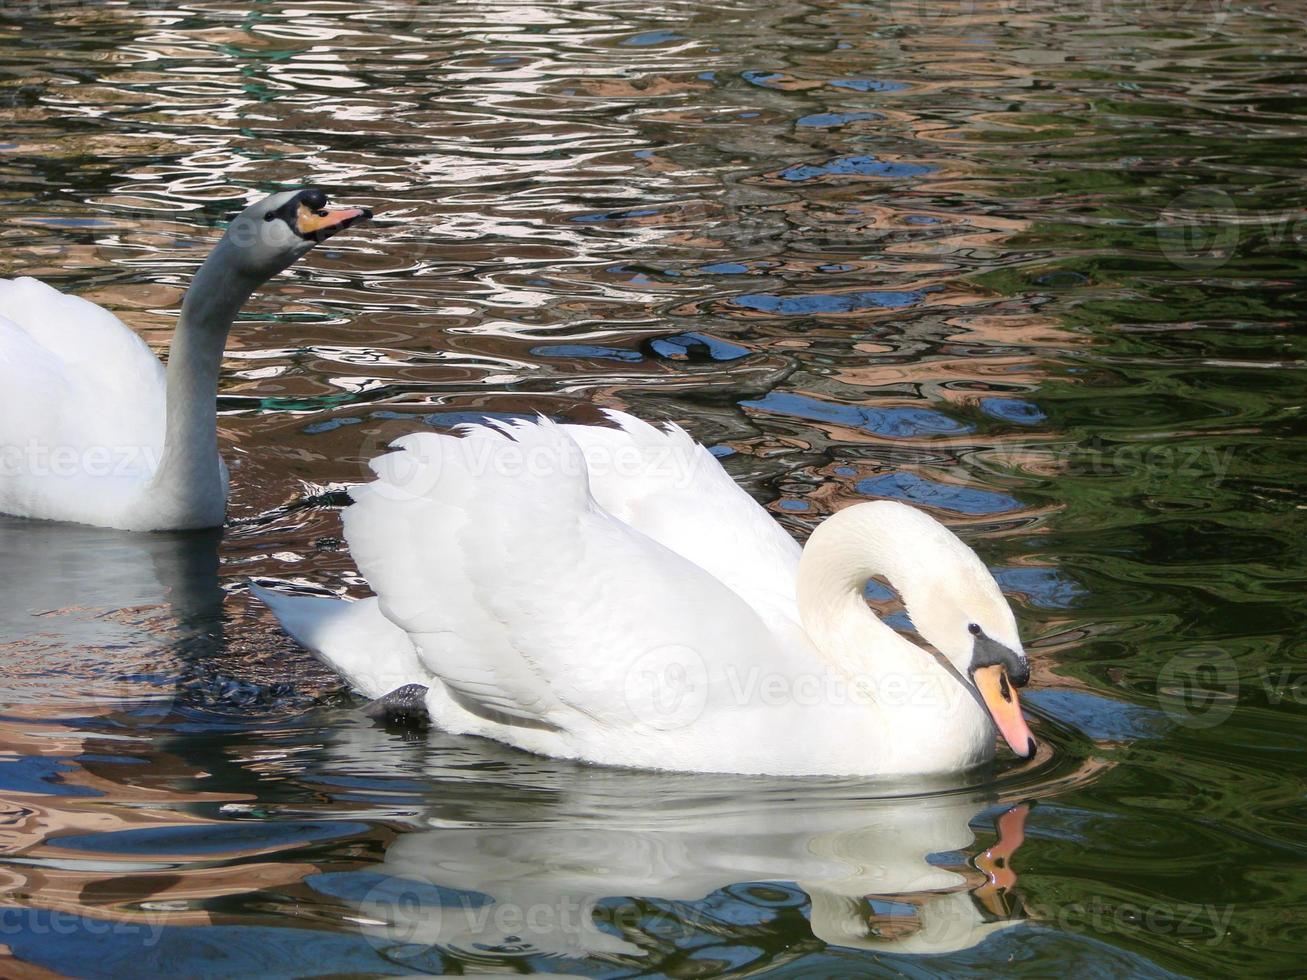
x=81, y=405
x=549, y=620
x=669, y=487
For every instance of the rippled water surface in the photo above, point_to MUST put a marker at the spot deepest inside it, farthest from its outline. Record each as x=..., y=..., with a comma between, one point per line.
x=1033, y=266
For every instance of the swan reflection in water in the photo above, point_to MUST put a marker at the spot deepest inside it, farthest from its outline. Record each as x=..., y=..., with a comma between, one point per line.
x=514, y=856
x=93, y=618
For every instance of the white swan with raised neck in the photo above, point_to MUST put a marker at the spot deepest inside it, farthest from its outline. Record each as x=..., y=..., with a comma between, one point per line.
x=93, y=430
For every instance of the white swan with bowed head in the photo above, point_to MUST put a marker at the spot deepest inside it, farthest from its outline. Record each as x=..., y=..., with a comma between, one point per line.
x=611, y=595
x=93, y=430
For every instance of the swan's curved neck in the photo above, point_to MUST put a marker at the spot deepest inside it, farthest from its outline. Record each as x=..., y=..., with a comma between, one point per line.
x=190, y=472
x=926, y=708
x=847, y=549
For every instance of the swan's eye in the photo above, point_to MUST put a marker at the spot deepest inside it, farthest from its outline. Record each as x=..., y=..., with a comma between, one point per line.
x=269, y=216
x=975, y=630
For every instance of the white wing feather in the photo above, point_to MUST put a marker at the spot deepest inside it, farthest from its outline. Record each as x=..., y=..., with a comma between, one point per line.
x=81, y=405
x=672, y=489
x=532, y=603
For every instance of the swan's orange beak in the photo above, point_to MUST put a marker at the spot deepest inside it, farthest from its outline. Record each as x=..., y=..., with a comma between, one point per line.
x=1005, y=708
x=322, y=224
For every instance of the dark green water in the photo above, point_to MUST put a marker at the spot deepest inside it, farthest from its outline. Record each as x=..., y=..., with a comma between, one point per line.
x=1035, y=267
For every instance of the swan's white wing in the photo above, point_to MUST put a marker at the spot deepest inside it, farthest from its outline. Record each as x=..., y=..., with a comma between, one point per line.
x=94, y=354
x=539, y=610
x=371, y=653
x=667, y=486
x=81, y=404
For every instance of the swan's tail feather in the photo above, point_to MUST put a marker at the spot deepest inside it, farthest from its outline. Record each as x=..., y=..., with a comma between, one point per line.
x=372, y=654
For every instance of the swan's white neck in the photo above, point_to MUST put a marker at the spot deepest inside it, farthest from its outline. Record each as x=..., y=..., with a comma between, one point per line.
x=189, y=484
x=848, y=548
x=916, y=698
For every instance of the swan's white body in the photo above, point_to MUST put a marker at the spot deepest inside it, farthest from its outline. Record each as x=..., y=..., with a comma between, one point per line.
x=611, y=595
x=82, y=416
x=93, y=430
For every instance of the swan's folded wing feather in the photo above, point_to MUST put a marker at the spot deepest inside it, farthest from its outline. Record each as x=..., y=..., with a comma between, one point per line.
x=81, y=407
x=412, y=533
x=87, y=339
x=524, y=596
x=73, y=375
x=666, y=485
